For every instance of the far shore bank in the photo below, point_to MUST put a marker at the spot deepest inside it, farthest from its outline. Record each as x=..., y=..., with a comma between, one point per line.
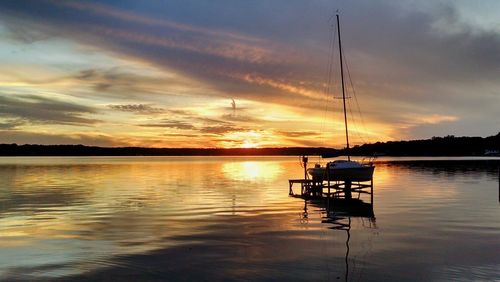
x=449, y=146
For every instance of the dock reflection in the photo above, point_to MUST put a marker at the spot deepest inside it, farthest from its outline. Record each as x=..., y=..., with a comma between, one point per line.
x=339, y=214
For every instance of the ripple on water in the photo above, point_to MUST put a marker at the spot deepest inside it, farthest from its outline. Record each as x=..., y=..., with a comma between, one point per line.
x=232, y=218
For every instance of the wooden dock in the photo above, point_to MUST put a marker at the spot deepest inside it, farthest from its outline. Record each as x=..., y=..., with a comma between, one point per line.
x=327, y=188
x=331, y=189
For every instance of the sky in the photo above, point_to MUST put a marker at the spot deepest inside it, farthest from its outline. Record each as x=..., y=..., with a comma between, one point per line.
x=186, y=73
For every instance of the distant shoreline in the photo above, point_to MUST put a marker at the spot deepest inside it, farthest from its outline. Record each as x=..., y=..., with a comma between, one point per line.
x=434, y=147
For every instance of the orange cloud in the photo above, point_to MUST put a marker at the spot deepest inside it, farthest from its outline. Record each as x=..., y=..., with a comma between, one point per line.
x=283, y=86
x=230, y=50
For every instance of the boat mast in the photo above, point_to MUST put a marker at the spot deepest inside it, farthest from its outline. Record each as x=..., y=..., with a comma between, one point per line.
x=343, y=91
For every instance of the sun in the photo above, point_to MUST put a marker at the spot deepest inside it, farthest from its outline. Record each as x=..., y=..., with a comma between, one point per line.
x=249, y=144
x=244, y=139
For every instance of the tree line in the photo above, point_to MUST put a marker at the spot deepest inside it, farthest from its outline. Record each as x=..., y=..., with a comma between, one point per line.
x=436, y=146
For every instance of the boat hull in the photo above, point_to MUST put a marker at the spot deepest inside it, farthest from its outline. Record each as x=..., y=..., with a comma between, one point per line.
x=364, y=173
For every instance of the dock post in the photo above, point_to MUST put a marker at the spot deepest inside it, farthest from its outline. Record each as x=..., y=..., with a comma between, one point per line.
x=328, y=176
x=347, y=189
x=305, y=159
x=371, y=190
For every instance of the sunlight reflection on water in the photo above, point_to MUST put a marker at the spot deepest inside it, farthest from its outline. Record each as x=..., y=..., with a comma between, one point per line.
x=251, y=170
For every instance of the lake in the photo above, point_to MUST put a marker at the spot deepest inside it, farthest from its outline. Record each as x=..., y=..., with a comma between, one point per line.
x=231, y=218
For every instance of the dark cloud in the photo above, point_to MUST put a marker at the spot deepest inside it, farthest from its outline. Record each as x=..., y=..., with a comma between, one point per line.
x=179, y=112
x=219, y=130
x=413, y=48
x=239, y=118
x=26, y=137
x=133, y=39
x=11, y=124
x=180, y=135
x=25, y=32
x=213, y=126
x=37, y=109
x=86, y=74
x=194, y=117
x=123, y=84
x=137, y=108
x=186, y=120
x=210, y=121
x=171, y=124
x=395, y=35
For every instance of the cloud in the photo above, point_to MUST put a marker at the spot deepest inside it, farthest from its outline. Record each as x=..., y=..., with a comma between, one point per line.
x=298, y=134
x=37, y=109
x=121, y=14
x=307, y=142
x=219, y=130
x=137, y=108
x=213, y=59
x=180, y=135
x=206, y=120
x=223, y=44
x=11, y=124
x=283, y=85
x=24, y=33
x=403, y=48
x=131, y=83
x=28, y=137
x=240, y=118
x=171, y=124
x=435, y=118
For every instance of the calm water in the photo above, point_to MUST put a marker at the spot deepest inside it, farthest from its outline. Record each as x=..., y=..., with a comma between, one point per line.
x=230, y=218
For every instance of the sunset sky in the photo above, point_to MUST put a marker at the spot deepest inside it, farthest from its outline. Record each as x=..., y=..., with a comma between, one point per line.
x=165, y=73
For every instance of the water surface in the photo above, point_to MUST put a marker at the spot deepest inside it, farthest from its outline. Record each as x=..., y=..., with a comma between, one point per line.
x=230, y=218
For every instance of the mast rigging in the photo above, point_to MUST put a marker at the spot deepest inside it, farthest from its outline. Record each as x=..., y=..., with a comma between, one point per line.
x=343, y=90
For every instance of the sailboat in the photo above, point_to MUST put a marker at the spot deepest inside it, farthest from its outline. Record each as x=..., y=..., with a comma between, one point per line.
x=343, y=170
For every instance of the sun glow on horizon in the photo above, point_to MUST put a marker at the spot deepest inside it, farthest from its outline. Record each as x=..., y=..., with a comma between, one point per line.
x=249, y=144
x=249, y=139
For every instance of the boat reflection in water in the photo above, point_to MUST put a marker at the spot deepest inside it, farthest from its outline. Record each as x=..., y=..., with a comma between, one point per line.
x=339, y=214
